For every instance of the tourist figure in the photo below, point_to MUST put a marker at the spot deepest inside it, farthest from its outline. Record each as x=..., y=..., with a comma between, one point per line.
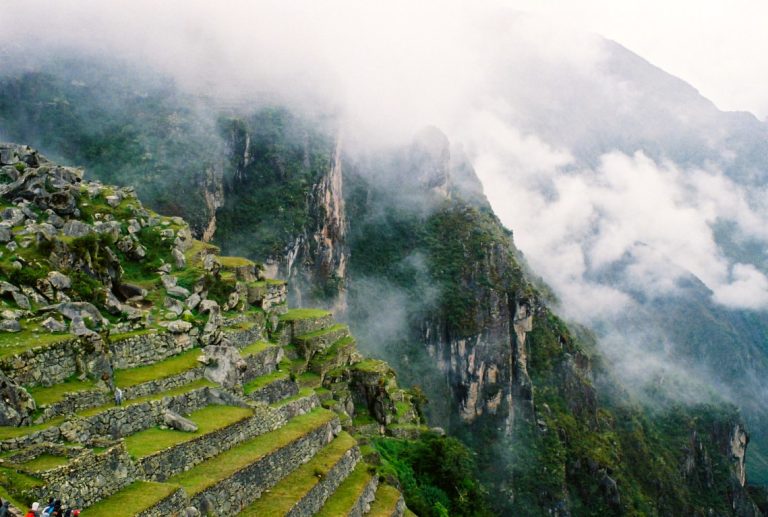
x=118, y=396
x=4, y=511
x=34, y=510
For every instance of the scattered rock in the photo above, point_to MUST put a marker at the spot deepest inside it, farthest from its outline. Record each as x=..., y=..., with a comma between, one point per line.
x=173, y=305
x=80, y=310
x=179, y=326
x=224, y=365
x=54, y=219
x=5, y=234
x=179, y=258
x=10, y=326
x=178, y=292
x=178, y=422
x=168, y=281
x=21, y=300
x=59, y=281
x=77, y=327
x=113, y=201
x=75, y=228
x=53, y=325
x=193, y=301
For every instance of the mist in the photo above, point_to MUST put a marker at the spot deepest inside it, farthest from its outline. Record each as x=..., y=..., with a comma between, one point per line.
x=613, y=175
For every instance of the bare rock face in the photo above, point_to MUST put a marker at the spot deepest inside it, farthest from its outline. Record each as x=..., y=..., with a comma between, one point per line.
x=223, y=365
x=15, y=403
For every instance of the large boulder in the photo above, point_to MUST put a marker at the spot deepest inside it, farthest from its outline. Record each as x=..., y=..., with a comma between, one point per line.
x=178, y=422
x=223, y=365
x=80, y=310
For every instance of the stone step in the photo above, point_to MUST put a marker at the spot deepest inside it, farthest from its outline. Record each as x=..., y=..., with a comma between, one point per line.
x=261, y=358
x=389, y=502
x=108, y=420
x=354, y=496
x=304, y=491
x=141, y=499
x=234, y=479
x=312, y=343
x=296, y=322
x=271, y=388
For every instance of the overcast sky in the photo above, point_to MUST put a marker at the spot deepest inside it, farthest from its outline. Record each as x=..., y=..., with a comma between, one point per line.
x=719, y=46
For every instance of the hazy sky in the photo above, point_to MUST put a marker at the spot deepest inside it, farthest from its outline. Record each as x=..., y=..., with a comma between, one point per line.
x=718, y=46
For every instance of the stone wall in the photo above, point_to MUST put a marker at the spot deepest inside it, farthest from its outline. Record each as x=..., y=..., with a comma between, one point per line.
x=44, y=365
x=316, y=497
x=161, y=385
x=274, y=391
x=262, y=363
x=147, y=347
x=74, y=402
x=243, y=335
x=114, y=422
x=231, y=495
x=171, y=505
x=89, y=477
x=367, y=496
x=166, y=463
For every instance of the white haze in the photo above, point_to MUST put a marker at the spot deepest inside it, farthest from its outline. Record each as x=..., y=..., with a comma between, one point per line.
x=484, y=74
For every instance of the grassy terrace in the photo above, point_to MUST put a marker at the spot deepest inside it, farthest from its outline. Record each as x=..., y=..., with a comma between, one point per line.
x=255, y=348
x=166, y=368
x=14, y=432
x=44, y=462
x=284, y=495
x=260, y=382
x=208, y=420
x=386, y=500
x=12, y=344
x=333, y=350
x=304, y=392
x=131, y=500
x=322, y=332
x=210, y=472
x=304, y=314
x=47, y=396
x=345, y=497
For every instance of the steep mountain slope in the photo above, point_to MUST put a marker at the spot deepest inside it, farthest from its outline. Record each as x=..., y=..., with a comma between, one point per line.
x=225, y=400
x=432, y=278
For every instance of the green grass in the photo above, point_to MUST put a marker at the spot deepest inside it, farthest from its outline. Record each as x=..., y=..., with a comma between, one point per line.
x=208, y=420
x=210, y=472
x=309, y=380
x=304, y=392
x=371, y=366
x=131, y=500
x=260, y=382
x=322, y=332
x=14, y=483
x=386, y=500
x=231, y=262
x=255, y=348
x=304, y=314
x=342, y=501
x=284, y=495
x=166, y=368
x=12, y=344
x=44, y=462
x=47, y=396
